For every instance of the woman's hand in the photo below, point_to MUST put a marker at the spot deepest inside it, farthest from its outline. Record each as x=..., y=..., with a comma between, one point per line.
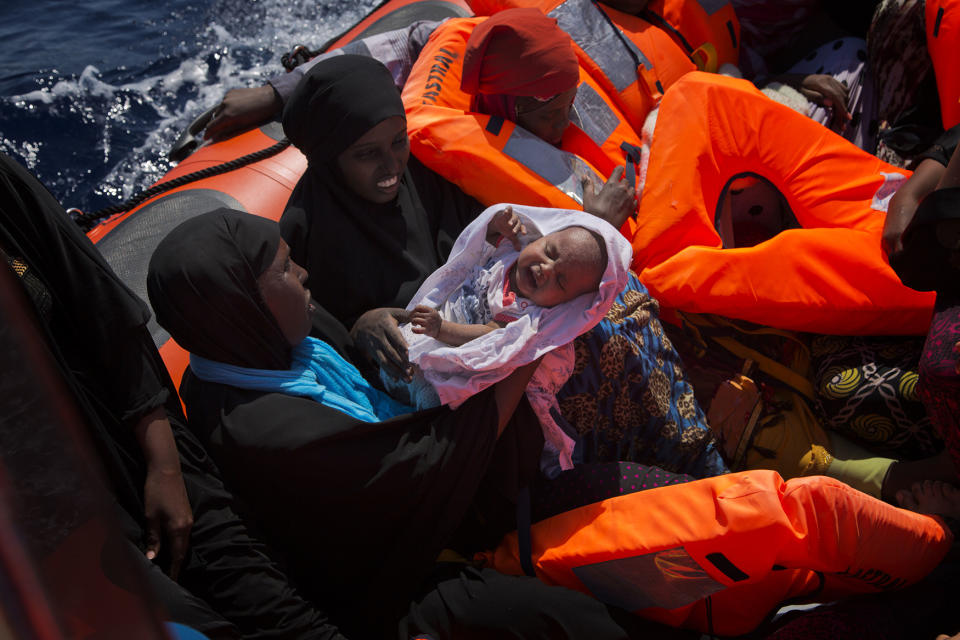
x=242, y=109
x=507, y=224
x=826, y=91
x=377, y=335
x=168, y=515
x=616, y=201
x=166, y=506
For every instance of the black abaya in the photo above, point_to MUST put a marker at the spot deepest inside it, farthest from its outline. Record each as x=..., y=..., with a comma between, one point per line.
x=362, y=255
x=96, y=334
x=362, y=509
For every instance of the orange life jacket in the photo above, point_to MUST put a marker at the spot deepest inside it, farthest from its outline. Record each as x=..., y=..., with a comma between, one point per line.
x=707, y=29
x=492, y=159
x=943, y=40
x=829, y=275
x=633, y=61
x=717, y=555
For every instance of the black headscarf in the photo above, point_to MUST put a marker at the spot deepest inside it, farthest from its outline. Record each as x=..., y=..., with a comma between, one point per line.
x=361, y=255
x=202, y=283
x=34, y=226
x=336, y=102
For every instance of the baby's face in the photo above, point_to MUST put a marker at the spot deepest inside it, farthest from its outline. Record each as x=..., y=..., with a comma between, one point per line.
x=559, y=267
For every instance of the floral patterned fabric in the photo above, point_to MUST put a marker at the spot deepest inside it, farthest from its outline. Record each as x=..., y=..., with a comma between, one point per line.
x=628, y=399
x=939, y=386
x=867, y=388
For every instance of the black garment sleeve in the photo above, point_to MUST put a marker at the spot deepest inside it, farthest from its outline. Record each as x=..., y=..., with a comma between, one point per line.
x=449, y=208
x=941, y=150
x=364, y=508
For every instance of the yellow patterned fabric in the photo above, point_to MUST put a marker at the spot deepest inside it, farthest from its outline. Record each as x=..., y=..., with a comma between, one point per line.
x=867, y=391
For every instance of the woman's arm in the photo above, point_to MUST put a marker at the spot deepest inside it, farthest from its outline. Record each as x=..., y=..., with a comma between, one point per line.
x=935, y=171
x=165, y=498
x=903, y=204
x=951, y=176
x=507, y=392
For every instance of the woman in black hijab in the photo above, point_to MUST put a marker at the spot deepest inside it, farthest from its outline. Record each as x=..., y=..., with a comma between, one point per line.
x=367, y=220
x=216, y=576
x=362, y=508
x=370, y=240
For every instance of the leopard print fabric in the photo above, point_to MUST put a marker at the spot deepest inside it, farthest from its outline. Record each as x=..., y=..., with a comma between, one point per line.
x=628, y=399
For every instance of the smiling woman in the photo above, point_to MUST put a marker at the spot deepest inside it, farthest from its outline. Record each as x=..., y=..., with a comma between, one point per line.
x=367, y=220
x=372, y=166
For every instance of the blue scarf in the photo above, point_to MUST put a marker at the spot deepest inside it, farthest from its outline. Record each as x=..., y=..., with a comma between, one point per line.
x=318, y=372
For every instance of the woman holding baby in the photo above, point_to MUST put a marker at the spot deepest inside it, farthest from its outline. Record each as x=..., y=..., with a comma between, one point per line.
x=363, y=506
x=376, y=501
x=375, y=222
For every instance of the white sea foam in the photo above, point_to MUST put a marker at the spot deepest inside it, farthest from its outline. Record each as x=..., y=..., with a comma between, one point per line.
x=136, y=122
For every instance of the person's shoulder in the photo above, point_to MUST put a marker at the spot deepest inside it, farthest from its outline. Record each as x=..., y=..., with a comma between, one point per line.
x=433, y=186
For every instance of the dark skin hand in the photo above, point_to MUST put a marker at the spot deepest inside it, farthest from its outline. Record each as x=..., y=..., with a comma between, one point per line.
x=167, y=509
x=824, y=90
x=242, y=109
x=377, y=335
x=927, y=177
x=904, y=202
x=615, y=202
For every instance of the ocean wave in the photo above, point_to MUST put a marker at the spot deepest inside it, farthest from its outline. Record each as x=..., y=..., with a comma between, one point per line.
x=101, y=136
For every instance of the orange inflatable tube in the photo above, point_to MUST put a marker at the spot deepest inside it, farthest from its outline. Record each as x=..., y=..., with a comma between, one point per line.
x=261, y=188
x=717, y=555
x=492, y=159
x=827, y=275
x=943, y=43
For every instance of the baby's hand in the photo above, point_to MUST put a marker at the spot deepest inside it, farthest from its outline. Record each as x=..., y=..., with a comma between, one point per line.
x=507, y=224
x=425, y=320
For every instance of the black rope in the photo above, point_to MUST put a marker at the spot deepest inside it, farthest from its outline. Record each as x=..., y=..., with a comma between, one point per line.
x=86, y=221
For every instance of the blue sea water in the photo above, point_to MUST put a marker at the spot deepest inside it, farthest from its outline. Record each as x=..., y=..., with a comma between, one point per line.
x=94, y=92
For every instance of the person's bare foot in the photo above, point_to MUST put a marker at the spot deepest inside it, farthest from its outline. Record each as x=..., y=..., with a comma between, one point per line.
x=904, y=474
x=931, y=497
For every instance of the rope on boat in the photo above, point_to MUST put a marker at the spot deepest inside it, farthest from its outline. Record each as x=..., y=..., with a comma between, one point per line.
x=86, y=221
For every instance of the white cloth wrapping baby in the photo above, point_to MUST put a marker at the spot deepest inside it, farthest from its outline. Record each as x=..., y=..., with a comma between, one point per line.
x=456, y=373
